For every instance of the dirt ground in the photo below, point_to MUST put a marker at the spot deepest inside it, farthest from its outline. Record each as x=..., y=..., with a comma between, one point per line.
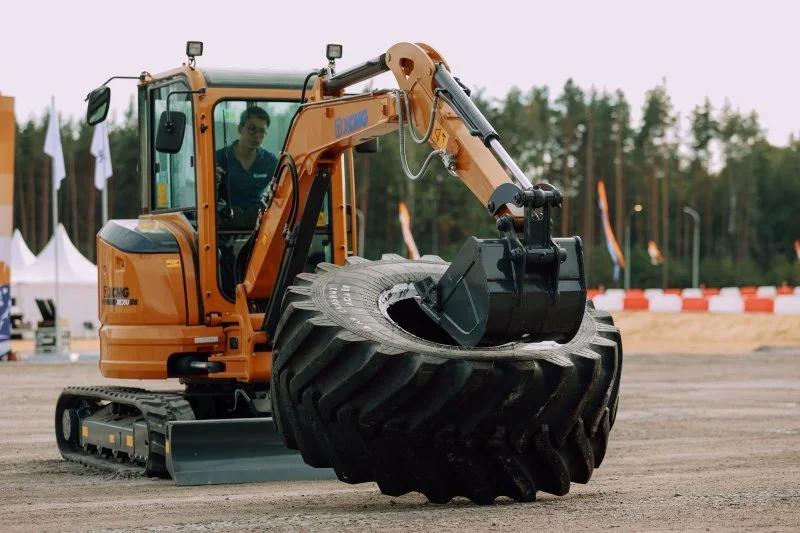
x=644, y=332
x=702, y=441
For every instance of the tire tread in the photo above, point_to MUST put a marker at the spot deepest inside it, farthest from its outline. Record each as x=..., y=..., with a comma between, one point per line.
x=442, y=426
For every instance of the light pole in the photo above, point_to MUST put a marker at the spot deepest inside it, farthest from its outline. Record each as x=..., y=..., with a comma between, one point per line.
x=695, y=246
x=636, y=209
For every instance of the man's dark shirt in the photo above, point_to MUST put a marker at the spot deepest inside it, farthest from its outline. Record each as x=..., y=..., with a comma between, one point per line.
x=246, y=186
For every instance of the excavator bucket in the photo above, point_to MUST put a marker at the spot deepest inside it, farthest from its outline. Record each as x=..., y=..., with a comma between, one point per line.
x=244, y=450
x=517, y=287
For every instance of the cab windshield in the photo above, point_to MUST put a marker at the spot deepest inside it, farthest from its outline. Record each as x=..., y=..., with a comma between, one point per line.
x=248, y=138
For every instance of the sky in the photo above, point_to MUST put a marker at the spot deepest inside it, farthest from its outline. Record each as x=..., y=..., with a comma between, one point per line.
x=743, y=52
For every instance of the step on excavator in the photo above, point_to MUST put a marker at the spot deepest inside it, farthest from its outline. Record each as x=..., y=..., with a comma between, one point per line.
x=488, y=376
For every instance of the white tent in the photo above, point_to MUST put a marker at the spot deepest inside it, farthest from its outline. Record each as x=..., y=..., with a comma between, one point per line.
x=21, y=255
x=77, y=285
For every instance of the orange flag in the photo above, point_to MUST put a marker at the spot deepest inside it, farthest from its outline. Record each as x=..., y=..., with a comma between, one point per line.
x=408, y=238
x=611, y=241
x=655, y=254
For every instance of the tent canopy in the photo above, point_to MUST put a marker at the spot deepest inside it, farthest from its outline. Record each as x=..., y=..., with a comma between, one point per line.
x=76, y=299
x=21, y=255
x=72, y=266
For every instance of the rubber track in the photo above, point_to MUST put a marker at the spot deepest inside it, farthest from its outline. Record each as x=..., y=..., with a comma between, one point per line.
x=445, y=427
x=157, y=408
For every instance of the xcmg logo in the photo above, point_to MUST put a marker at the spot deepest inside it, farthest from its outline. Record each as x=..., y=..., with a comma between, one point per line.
x=118, y=296
x=350, y=123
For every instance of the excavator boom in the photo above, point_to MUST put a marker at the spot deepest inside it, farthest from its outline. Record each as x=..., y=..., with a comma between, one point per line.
x=522, y=285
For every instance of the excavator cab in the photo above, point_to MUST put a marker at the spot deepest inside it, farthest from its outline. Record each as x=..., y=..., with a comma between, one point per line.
x=168, y=279
x=241, y=278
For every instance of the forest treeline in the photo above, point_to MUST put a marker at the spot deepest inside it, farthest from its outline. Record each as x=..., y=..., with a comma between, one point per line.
x=716, y=161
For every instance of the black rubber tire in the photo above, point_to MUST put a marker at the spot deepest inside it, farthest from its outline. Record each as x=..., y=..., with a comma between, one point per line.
x=354, y=392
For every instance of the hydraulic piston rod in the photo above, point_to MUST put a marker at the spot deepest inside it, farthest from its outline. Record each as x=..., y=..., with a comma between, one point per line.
x=509, y=164
x=478, y=125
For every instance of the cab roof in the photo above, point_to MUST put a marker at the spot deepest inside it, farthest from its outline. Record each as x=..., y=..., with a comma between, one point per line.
x=254, y=78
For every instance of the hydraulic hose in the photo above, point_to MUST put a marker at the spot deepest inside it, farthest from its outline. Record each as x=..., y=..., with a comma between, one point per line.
x=402, y=102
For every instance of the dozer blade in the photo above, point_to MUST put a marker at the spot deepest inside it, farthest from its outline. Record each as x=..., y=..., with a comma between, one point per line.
x=244, y=450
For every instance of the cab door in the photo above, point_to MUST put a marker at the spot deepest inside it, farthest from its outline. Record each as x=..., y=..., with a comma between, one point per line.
x=170, y=191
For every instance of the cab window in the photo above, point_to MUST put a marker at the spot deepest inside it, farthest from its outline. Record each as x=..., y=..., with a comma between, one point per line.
x=248, y=137
x=173, y=178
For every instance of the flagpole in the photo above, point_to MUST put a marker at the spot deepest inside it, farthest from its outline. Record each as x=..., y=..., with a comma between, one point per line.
x=101, y=150
x=55, y=232
x=105, y=203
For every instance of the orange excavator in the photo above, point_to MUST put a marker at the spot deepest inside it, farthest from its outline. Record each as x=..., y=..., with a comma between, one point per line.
x=488, y=376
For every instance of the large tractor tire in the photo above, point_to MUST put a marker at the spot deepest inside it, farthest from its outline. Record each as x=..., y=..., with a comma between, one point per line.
x=375, y=391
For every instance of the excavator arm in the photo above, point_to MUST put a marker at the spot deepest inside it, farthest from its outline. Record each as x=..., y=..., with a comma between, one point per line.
x=497, y=289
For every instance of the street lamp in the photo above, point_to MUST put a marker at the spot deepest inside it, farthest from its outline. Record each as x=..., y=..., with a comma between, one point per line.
x=636, y=209
x=695, y=245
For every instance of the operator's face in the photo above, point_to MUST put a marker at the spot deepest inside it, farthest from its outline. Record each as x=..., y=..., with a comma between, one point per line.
x=252, y=133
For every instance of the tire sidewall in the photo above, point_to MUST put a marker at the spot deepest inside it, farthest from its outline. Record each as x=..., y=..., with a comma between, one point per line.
x=349, y=297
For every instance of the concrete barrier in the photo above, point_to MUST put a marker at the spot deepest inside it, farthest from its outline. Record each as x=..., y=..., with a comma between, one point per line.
x=725, y=304
x=729, y=291
x=763, y=299
x=766, y=291
x=665, y=303
x=787, y=305
x=636, y=302
x=758, y=305
x=616, y=293
x=609, y=302
x=591, y=293
x=649, y=293
x=694, y=304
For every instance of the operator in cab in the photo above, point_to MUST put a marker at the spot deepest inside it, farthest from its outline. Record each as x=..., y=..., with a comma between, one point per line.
x=244, y=169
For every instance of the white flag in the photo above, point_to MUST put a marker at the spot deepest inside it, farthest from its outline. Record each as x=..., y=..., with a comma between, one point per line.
x=102, y=155
x=52, y=147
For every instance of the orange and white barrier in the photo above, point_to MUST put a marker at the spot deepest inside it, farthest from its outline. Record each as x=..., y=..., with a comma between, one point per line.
x=764, y=299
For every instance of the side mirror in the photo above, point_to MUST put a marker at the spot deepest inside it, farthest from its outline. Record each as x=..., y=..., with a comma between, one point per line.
x=368, y=147
x=171, y=127
x=97, y=108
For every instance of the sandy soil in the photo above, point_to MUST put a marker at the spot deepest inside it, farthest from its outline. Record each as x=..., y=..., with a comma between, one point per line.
x=701, y=442
x=705, y=332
